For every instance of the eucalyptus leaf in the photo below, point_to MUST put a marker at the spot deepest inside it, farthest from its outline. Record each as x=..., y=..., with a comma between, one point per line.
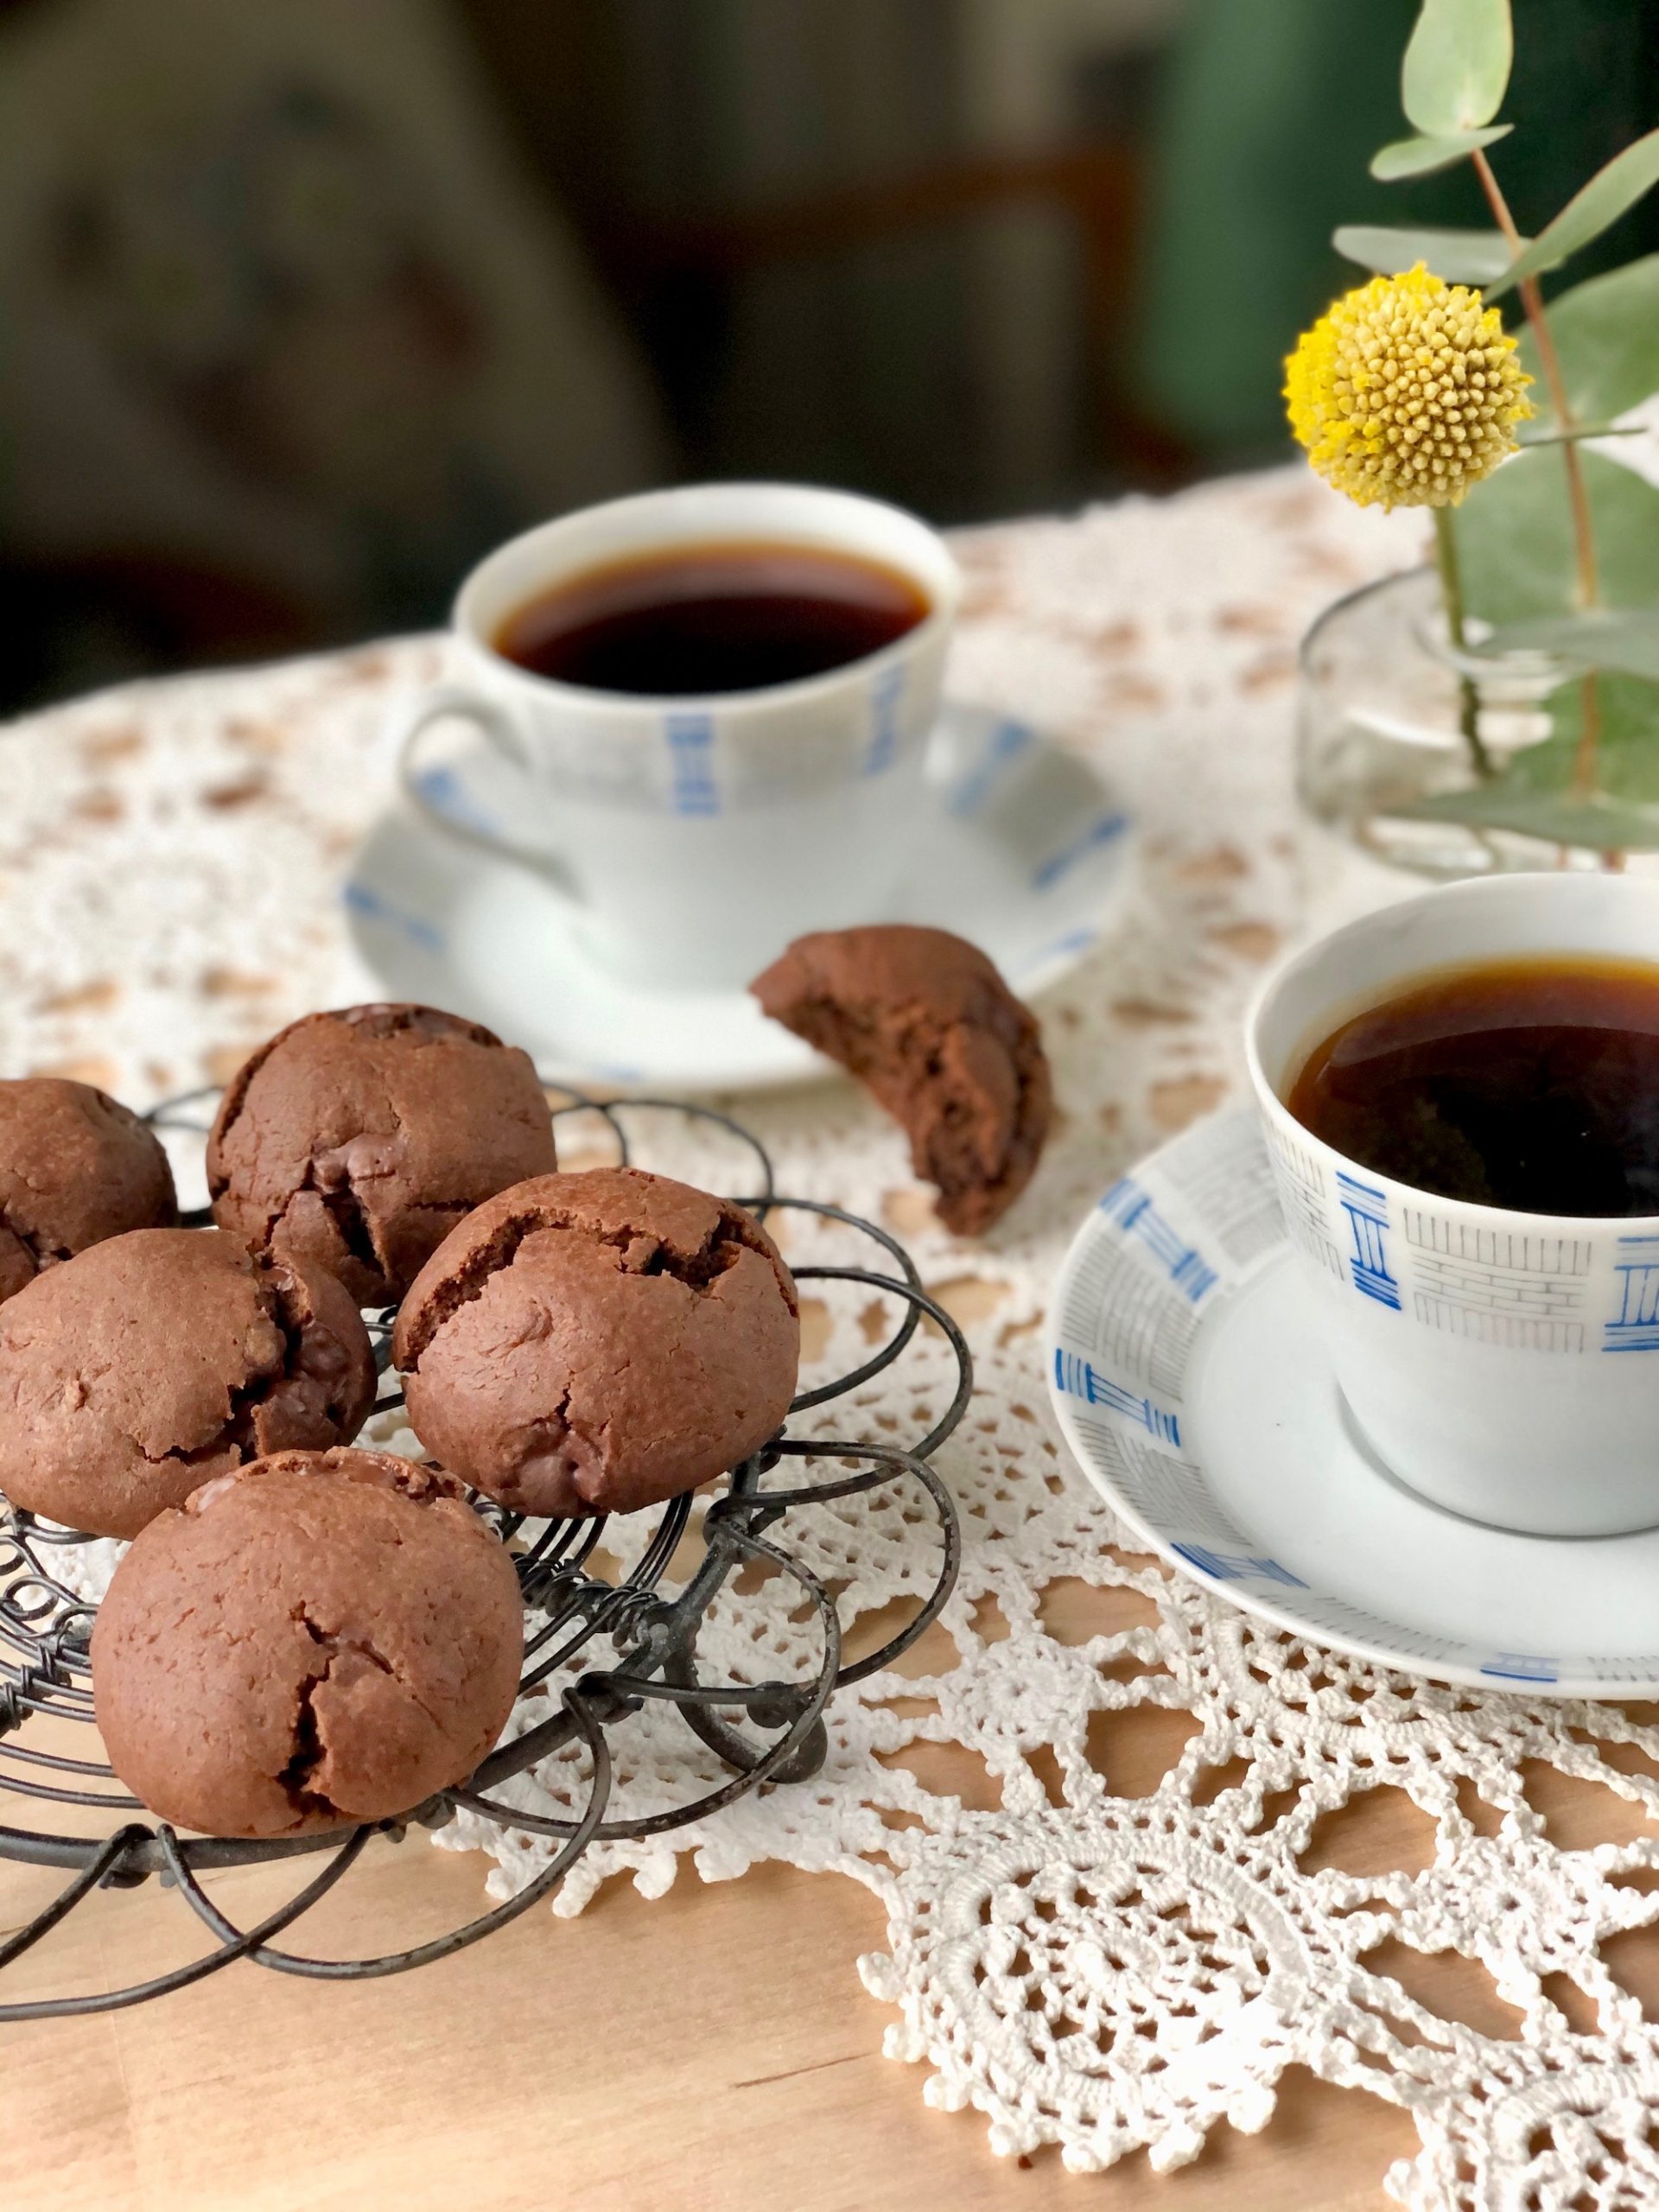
x=1606, y=332
x=1627, y=726
x=1610, y=193
x=1460, y=257
x=1598, y=823
x=1421, y=157
x=1515, y=539
x=1535, y=795
x=1625, y=639
x=1456, y=66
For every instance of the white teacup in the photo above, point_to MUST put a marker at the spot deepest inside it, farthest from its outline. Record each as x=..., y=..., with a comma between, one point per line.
x=1505, y=1364
x=693, y=837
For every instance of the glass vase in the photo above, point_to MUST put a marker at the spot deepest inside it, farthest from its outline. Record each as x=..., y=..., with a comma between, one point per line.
x=1390, y=713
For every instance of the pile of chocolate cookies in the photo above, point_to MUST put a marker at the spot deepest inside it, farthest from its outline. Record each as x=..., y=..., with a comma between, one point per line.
x=303, y=1634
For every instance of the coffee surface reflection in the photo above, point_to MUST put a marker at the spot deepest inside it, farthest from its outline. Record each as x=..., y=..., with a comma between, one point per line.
x=1529, y=1083
x=698, y=620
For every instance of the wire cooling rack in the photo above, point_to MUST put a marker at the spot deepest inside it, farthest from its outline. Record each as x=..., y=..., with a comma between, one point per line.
x=766, y=1733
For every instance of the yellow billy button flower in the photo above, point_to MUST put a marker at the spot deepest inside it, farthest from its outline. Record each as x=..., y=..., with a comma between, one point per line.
x=1407, y=391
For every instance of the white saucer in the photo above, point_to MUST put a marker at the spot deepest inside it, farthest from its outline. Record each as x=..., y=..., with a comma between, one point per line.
x=1023, y=848
x=1192, y=1386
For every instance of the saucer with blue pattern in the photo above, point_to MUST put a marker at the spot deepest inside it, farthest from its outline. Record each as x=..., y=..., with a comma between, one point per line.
x=1022, y=848
x=1198, y=1400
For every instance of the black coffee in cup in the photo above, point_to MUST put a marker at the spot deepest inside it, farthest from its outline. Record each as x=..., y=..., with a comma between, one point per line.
x=695, y=620
x=1528, y=1083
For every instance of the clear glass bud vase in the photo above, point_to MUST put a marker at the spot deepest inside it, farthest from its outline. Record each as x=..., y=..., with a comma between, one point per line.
x=1391, y=715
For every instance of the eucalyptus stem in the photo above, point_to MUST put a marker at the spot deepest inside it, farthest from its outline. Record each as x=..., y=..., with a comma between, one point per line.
x=1588, y=591
x=1586, y=753
x=1587, y=759
x=1446, y=560
x=1587, y=585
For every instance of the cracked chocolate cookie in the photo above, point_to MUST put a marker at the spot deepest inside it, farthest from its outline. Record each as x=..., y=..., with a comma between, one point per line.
x=321, y=1637
x=923, y=1019
x=358, y=1140
x=594, y=1342
x=149, y=1364
x=75, y=1168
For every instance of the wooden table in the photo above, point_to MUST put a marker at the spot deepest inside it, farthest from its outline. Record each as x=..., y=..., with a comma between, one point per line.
x=714, y=2047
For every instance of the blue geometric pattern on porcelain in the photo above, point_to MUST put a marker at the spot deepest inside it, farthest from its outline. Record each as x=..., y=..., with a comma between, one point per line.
x=1230, y=1567
x=1367, y=1209
x=691, y=747
x=442, y=788
x=1520, y=1667
x=1193, y=1503
x=1106, y=831
x=1077, y=940
x=1132, y=1209
x=1008, y=741
x=362, y=899
x=1635, y=1326
x=1079, y=1380
x=886, y=692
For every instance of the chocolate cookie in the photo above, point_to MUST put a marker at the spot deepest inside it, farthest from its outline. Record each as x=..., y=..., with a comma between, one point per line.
x=149, y=1364
x=594, y=1342
x=75, y=1168
x=359, y=1139
x=923, y=1019
x=319, y=1637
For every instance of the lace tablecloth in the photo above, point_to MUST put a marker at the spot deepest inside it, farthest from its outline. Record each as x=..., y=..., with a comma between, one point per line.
x=1095, y=1803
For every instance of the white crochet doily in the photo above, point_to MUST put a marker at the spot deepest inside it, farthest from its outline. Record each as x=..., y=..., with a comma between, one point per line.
x=1127, y=1926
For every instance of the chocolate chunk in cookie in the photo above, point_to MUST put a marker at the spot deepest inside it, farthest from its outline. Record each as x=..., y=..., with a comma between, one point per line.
x=75, y=1168
x=359, y=1139
x=148, y=1365
x=321, y=1637
x=923, y=1019
x=595, y=1342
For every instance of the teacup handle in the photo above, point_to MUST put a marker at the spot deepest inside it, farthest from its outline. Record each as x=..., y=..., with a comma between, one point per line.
x=409, y=723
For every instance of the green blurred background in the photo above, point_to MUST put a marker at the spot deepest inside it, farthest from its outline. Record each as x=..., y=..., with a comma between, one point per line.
x=301, y=308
